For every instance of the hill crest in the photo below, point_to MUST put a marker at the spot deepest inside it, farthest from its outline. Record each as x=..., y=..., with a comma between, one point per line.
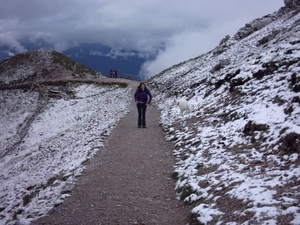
x=41, y=65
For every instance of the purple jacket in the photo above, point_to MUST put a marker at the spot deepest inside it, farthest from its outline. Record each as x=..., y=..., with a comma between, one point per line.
x=142, y=96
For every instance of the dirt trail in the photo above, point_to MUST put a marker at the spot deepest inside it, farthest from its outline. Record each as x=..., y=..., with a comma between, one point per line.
x=127, y=182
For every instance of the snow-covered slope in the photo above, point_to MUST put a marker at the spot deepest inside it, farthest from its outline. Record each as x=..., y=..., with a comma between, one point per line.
x=238, y=150
x=54, y=116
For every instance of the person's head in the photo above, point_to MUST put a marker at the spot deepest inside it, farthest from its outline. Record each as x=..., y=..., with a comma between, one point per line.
x=142, y=86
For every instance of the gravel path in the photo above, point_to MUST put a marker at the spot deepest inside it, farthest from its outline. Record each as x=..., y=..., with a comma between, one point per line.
x=127, y=182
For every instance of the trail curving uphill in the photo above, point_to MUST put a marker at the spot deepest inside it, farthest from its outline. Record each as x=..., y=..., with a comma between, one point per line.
x=127, y=182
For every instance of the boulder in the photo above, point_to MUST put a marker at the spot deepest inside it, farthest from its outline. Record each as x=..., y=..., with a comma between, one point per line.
x=293, y=4
x=255, y=25
x=258, y=24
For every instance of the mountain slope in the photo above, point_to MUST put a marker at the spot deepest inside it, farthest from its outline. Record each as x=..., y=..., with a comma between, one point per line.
x=55, y=115
x=238, y=150
x=41, y=65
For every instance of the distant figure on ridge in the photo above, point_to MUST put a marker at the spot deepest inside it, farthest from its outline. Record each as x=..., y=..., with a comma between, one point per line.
x=142, y=101
x=116, y=73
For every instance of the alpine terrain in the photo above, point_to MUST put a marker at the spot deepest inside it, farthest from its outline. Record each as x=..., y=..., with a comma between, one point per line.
x=236, y=151
x=54, y=116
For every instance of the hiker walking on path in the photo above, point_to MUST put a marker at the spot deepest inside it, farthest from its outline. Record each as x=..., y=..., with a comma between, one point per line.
x=147, y=195
x=142, y=101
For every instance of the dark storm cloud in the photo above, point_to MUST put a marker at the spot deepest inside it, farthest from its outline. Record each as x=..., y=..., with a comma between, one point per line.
x=185, y=28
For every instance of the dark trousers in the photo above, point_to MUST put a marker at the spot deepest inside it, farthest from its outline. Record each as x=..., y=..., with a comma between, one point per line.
x=141, y=107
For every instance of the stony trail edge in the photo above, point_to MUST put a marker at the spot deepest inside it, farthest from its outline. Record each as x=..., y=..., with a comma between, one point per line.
x=127, y=182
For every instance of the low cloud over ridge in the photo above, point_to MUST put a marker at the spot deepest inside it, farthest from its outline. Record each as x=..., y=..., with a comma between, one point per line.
x=171, y=31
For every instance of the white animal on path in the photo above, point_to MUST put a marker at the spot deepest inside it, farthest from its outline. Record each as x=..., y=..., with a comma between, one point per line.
x=183, y=105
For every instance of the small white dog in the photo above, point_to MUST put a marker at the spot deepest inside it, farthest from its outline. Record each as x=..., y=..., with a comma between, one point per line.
x=183, y=105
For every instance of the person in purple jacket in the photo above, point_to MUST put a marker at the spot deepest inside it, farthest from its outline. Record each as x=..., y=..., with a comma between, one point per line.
x=142, y=101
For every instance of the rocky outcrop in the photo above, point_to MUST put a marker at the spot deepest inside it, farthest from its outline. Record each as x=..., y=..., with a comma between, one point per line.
x=292, y=4
x=255, y=25
x=259, y=23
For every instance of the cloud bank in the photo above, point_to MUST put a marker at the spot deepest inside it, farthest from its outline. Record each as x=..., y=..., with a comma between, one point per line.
x=170, y=31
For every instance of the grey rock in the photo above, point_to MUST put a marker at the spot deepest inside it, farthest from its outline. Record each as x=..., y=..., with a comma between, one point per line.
x=222, y=63
x=293, y=4
x=255, y=25
x=296, y=202
x=224, y=40
x=258, y=24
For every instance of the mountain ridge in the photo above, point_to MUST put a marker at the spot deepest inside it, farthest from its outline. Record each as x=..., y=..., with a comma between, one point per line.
x=95, y=56
x=39, y=65
x=237, y=152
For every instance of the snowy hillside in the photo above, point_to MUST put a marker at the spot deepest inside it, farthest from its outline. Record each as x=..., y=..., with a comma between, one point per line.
x=238, y=150
x=51, y=124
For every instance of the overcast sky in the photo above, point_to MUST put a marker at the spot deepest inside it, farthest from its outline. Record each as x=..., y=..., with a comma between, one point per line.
x=174, y=30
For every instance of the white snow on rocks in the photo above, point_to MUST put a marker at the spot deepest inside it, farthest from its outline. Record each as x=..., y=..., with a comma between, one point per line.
x=232, y=159
x=39, y=172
